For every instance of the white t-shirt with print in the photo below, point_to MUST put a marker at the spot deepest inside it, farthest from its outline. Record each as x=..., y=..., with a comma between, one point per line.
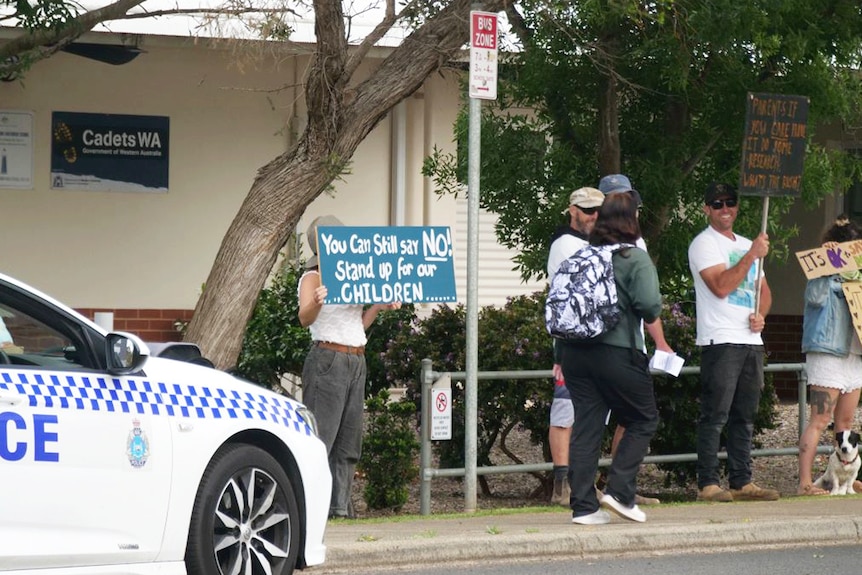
x=722, y=320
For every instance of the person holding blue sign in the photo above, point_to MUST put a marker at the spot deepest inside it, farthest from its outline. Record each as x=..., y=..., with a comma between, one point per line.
x=333, y=375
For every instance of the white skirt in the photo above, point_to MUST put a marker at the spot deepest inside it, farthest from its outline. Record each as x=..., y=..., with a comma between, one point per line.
x=834, y=371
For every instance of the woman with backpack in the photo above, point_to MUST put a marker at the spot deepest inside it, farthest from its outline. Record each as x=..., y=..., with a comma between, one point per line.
x=610, y=371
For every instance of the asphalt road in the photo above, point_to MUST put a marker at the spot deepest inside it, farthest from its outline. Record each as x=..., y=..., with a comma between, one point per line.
x=810, y=560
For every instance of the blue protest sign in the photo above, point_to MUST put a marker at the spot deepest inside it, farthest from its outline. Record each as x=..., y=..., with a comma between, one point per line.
x=408, y=264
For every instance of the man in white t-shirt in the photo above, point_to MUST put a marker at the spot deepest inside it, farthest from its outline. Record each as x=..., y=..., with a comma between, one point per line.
x=728, y=332
x=567, y=239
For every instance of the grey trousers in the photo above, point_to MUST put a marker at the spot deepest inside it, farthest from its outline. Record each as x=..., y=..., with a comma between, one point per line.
x=333, y=388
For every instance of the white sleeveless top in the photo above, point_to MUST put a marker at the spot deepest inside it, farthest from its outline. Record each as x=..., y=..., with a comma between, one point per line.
x=338, y=323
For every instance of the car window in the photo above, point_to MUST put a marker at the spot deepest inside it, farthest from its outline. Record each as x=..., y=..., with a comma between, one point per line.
x=31, y=342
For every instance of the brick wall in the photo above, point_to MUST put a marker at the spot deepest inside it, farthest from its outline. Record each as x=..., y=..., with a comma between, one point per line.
x=783, y=340
x=156, y=325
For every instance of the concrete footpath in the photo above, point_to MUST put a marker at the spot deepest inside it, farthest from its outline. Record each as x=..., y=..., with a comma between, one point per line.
x=512, y=535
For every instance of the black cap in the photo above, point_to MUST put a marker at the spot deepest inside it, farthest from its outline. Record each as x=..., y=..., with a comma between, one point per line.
x=717, y=190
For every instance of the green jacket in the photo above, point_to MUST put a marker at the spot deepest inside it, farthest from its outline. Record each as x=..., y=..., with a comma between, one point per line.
x=639, y=297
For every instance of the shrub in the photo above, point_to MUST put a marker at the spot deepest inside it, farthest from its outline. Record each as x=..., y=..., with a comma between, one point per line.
x=388, y=452
x=514, y=338
x=275, y=343
x=510, y=338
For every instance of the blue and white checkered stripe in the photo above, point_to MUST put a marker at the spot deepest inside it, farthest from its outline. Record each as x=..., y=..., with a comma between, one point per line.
x=136, y=396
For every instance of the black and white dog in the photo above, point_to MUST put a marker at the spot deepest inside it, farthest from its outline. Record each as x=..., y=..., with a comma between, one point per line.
x=843, y=465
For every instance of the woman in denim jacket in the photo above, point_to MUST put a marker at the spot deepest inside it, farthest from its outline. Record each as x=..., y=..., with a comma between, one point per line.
x=833, y=356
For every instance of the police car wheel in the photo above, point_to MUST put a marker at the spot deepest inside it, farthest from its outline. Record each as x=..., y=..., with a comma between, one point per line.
x=245, y=518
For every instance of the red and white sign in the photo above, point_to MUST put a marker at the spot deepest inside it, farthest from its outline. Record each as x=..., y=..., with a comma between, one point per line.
x=441, y=413
x=483, y=55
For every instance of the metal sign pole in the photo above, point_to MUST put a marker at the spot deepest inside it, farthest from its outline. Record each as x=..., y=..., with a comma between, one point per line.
x=760, y=260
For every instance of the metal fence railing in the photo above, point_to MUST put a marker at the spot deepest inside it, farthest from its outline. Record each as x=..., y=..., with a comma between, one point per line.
x=427, y=473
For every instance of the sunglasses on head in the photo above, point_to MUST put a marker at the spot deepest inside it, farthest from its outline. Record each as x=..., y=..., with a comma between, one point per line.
x=588, y=211
x=718, y=204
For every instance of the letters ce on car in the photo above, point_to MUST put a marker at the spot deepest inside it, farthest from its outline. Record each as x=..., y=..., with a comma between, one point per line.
x=114, y=460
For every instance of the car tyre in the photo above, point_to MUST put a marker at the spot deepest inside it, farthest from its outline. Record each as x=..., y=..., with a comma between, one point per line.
x=245, y=517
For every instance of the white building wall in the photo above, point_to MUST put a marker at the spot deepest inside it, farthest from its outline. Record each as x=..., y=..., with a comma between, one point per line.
x=138, y=250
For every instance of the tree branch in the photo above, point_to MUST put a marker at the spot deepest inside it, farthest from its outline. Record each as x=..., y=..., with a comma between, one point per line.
x=37, y=45
x=359, y=53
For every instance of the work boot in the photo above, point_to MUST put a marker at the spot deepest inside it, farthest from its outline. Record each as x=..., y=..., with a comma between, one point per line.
x=714, y=493
x=562, y=493
x=752, y=492
x=644, y=500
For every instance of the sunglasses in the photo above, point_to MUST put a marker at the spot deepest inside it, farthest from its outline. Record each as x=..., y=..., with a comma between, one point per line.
x=588, y=211
x=718, y=204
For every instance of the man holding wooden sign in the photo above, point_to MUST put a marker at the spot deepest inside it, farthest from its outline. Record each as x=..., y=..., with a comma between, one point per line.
x=726, y=278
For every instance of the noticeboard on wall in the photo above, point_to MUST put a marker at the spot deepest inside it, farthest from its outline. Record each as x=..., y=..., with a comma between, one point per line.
x=773, y=149
x=16, y=149
x=110, y=152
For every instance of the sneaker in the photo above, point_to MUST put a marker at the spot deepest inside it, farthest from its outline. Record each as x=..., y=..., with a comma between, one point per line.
x=644, y=500
x=752, y=492
x=561, y=493
x=714, y=493
x=599, y=517
x=632, y=513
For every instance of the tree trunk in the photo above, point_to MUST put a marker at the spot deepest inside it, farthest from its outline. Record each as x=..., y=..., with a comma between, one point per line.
x=339, y=119
x=608, y=110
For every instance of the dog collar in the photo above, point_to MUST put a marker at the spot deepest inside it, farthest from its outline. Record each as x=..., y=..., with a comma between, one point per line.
x=851, y=462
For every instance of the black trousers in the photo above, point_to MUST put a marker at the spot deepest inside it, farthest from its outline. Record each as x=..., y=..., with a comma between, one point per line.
x=600, y=378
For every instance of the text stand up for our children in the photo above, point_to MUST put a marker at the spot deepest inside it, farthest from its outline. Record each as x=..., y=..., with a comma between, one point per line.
x=368, y=264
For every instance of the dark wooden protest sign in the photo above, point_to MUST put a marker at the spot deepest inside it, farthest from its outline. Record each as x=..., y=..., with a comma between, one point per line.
x=773, y=150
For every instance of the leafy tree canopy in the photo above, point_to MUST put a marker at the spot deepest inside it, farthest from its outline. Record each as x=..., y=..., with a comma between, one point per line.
x=656, y=91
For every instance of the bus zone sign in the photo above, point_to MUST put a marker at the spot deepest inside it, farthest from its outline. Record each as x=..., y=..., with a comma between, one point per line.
x=483, y=55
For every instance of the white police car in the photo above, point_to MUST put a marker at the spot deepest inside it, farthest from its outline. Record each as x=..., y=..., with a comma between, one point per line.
x=112, y=461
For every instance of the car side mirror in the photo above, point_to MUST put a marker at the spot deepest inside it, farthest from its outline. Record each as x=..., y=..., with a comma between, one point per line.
x=126, y=353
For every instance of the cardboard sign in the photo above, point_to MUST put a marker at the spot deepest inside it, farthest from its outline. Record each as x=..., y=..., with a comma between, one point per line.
x=844, y=257
x=366, y=265
x=773, y=150
x=853, y=293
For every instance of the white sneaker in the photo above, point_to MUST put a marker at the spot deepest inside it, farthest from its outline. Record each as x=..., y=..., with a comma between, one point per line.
x=599, y=517
x=632, y=513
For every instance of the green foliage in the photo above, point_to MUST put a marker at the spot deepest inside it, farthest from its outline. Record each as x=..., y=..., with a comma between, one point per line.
x=386, y=327
x=43, y=14
x=669, y=80
x=389, y=451
x=510, y=338
x=275, y=343
x=514, y=338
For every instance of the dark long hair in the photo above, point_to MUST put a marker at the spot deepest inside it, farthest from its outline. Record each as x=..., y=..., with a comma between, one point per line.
x=617, y=221
x=843, y=230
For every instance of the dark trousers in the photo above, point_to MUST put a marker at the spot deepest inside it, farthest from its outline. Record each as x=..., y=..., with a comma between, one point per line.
x=601, y=378
x=731, y=379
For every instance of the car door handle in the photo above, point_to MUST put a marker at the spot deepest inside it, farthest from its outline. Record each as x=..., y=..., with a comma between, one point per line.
x=10, y=399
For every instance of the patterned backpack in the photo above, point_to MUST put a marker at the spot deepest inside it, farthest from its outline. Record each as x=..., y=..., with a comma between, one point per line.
x=582, y=299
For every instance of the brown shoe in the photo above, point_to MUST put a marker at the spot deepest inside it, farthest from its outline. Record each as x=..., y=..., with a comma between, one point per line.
x=561, y=493
x=643, y=500
x=752, y=492
x=714, y=493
